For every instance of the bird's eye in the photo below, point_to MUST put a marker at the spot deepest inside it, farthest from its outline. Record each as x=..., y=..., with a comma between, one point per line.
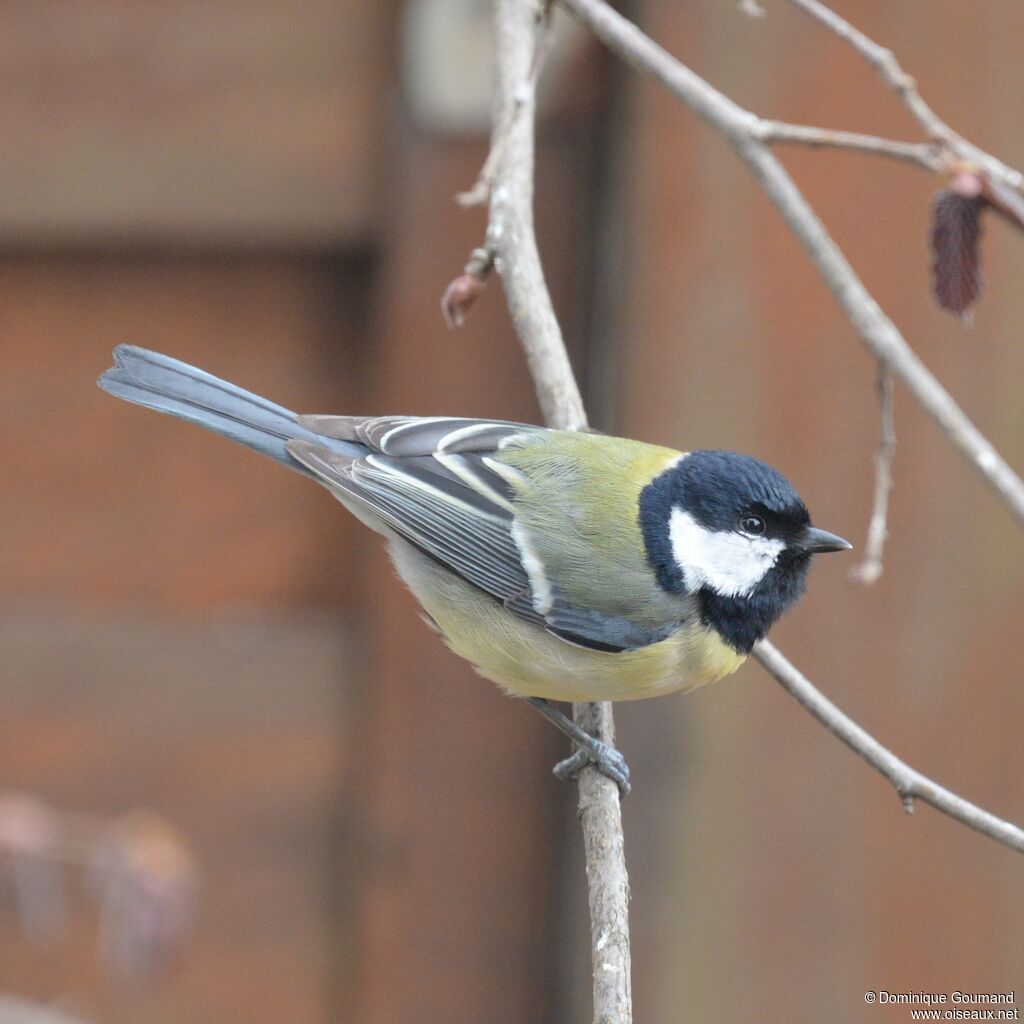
x=752, y=524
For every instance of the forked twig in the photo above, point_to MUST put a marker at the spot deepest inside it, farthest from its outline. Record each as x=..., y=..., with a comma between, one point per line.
x=889, y=70
x=920, y=154
x=479, y=192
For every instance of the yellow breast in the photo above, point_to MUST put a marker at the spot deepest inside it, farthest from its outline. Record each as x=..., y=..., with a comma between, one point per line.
x=524, y=659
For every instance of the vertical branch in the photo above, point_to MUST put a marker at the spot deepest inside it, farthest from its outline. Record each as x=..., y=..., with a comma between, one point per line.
x=510, y=236
x=510, y=232
x=607, y=881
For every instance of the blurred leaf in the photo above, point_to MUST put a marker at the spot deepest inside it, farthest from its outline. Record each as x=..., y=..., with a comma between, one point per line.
x=955, y=232
x=15, y=1010
x=31, y=849
x=149, y=880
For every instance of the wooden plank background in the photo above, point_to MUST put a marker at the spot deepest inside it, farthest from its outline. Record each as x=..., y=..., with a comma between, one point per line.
x=200, y=123
x=187, y=628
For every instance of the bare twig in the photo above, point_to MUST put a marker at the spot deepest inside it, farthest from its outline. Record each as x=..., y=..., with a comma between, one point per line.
x=480, y=191
x=510, y=236
x=869, y=570
x=510, y=232
x=919, y=153
x=911, y=785
x=607, y=881
x=888, y=68
x=885, y=63
x=740, y=128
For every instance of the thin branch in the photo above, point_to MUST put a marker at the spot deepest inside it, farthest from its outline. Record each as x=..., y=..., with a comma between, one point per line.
x=510, y=236
x=885, y=63
x=889, y=70
x=607, y=880
x=918, y=153
x=869, y=570
x=510, y=231
x=740, y=128
x=910, y=784
x=480, y=192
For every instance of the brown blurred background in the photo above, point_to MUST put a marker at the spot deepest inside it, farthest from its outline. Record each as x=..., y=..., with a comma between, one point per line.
x=266, y=190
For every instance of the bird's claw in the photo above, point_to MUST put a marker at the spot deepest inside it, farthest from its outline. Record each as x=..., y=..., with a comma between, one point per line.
x=607, y=760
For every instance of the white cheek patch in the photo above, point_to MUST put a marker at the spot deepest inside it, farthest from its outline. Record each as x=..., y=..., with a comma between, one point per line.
x=730, y=563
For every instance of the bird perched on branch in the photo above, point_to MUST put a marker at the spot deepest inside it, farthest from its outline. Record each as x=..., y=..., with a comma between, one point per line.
x=563, y=566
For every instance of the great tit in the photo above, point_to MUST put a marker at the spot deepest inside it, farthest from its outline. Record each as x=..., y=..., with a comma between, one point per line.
x=563, y=566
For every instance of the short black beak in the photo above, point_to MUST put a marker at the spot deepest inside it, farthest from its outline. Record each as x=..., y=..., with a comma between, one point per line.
x=817, y=541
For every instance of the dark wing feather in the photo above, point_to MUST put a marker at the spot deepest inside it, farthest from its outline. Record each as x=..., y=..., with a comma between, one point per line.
x=589, y=627
x=417, y=435
x=445, y=520
x=454, y=448
x=433, y=482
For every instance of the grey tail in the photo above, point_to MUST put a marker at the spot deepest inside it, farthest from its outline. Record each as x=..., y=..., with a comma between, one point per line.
x=169, y=385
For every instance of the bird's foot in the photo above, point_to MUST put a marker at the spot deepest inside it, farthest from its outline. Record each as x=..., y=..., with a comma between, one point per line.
x=607, y=760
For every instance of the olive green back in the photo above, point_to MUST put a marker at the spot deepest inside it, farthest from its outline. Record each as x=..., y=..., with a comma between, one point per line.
x=579, y=500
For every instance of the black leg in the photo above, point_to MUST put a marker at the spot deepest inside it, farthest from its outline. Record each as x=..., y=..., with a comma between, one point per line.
x=591, y=750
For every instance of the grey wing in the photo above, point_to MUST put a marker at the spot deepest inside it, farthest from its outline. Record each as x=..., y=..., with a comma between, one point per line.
x=464, y=526
x=419, y=435
x=434, y=483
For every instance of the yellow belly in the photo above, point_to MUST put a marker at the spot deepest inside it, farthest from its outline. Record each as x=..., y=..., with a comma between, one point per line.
x=526, y=660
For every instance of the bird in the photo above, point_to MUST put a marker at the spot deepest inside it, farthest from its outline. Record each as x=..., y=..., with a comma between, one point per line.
x=563, y=565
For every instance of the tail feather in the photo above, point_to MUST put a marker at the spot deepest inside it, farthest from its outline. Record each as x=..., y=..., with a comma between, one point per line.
x=171, y=386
